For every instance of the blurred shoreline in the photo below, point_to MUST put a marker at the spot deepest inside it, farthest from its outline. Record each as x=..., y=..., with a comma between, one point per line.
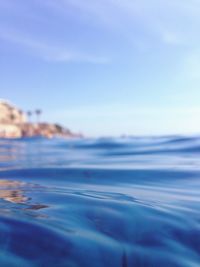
x=14, y=124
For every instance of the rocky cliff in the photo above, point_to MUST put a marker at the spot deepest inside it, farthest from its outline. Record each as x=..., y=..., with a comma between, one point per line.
x=14, y=124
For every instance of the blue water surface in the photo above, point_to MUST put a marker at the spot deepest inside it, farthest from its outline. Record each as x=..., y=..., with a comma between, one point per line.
x=129, y=202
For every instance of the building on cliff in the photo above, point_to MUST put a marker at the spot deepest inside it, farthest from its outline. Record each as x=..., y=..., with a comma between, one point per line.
x=14, y=124
x=10, y=114
x=10, y=119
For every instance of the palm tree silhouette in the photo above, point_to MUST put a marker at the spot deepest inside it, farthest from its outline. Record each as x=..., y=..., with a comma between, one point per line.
x=38, y=113
x=21, y=115
x=29, y=114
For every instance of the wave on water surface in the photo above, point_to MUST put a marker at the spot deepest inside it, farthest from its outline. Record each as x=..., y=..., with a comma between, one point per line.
x=129, y=202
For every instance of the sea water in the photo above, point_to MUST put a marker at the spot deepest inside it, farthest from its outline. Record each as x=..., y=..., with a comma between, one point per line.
x=128, y=202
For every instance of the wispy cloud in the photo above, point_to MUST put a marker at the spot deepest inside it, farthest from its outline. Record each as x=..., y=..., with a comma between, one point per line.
x=146, y=24
x=142, y=22
x=171, y=22
x=43, y=45
x=49, y=52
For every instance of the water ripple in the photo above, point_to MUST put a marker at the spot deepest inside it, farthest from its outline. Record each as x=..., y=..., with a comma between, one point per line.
x=94, y=203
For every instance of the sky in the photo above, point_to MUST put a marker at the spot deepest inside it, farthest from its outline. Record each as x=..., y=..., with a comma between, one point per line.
x=104, y=67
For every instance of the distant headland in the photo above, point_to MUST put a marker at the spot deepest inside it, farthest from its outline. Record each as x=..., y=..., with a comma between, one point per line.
x=14, y=123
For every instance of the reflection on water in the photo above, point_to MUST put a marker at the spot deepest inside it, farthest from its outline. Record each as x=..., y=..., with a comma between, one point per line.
x=15, y=192
x=95, y=203
x=10, y=191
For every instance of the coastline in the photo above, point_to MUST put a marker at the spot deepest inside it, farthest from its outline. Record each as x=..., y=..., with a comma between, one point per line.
x=47, y=130
x=14, y=124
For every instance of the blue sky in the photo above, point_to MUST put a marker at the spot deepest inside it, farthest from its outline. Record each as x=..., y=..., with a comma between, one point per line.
x=105, y=67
